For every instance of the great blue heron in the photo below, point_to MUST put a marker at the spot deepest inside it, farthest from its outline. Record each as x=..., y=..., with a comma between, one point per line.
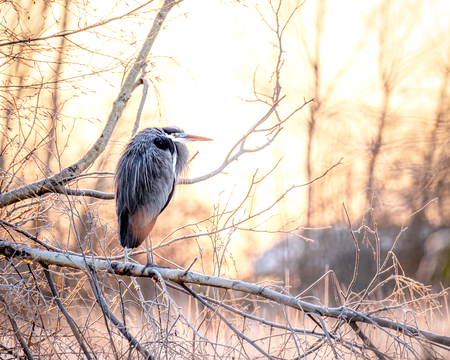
x=146, y=177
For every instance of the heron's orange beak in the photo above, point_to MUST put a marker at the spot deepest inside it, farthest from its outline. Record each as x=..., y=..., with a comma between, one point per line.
x=196, y=138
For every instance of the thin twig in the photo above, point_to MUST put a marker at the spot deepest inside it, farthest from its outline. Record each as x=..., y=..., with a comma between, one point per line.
x=356, y=268
x=328, y=338
x=16, y=330
x=4, y=223
x=224, y=319
x=144, y=82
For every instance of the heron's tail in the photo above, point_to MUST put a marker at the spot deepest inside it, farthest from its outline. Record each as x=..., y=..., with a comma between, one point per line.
x=133, y=230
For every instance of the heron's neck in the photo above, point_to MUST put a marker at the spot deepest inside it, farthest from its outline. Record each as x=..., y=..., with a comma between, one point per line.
x=180, y=157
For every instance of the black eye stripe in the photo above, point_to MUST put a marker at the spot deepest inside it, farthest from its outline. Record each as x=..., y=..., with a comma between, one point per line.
x=164, y=143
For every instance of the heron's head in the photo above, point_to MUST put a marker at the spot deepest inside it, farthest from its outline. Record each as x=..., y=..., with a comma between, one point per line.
x=178, y=135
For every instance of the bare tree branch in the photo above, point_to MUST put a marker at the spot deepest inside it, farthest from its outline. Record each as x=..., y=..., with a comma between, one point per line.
x=240, y=147
x=84, y=192
x=14, y=251
x=142, y=80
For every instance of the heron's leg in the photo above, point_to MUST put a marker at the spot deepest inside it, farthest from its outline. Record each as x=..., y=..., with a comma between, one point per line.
x=149, y=257
x=125, y=251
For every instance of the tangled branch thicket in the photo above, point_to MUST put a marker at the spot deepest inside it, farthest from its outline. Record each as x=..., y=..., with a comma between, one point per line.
x=65, y=292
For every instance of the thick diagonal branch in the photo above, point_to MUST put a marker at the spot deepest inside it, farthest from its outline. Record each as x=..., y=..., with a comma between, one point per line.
x=56, y=181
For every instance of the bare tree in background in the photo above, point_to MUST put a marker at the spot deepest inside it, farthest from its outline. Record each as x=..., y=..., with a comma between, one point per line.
x=431, y=176
x=315, y=62
x=391, y=59
x=67, y=292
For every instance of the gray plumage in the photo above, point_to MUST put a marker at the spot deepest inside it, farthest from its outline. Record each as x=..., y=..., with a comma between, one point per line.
x=146, y=178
